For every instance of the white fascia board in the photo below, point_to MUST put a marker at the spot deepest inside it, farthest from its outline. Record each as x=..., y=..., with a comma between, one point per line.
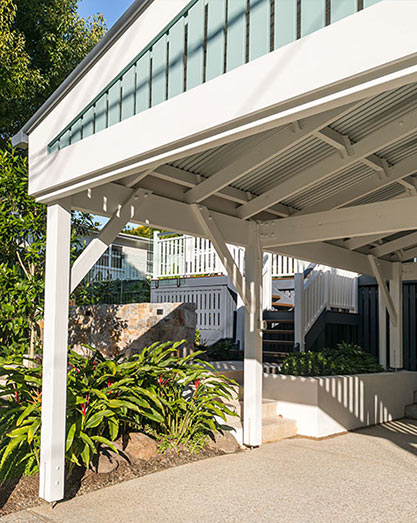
x=159, y=212
x=362, y=220
x=324, y=70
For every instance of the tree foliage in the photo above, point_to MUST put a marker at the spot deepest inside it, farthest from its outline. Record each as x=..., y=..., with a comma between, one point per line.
x=41, y=42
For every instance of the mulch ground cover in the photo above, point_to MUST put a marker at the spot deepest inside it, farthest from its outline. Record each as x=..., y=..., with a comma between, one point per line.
x=22, y=493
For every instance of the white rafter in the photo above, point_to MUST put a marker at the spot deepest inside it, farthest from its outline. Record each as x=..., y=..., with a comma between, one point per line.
x=384, y=136
x=262, y=153
x=395, y=245
x=389, y=304
x=211, y=230
x=187, y=179
x=94, y=250
x=363, y=220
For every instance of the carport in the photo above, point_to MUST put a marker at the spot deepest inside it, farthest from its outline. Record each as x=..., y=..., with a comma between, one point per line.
x=305, y=147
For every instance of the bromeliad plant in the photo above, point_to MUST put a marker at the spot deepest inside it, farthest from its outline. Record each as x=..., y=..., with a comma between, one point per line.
x=178, y=400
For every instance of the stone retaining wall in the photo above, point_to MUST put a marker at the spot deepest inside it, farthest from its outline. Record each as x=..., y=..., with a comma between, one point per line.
x=127, y=329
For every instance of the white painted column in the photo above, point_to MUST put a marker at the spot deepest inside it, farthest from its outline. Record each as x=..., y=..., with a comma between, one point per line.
x=382, y=335
x=396, y=327
x=55, y=348
x=253, y=369
x=267, y=281
x=299, y=310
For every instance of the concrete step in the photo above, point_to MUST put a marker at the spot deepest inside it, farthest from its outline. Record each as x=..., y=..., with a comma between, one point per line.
x=269, y=408
x=411, y=411
x=276, y=429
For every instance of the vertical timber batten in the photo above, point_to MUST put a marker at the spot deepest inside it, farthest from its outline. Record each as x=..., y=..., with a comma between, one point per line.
x=396, y=327
x=54, y=376
x=252, y=399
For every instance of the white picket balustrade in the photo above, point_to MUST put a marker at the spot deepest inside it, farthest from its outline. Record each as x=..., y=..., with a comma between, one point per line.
x=189, y=256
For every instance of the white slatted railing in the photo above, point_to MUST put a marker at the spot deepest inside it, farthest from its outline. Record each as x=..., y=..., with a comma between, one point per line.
x=188, y=256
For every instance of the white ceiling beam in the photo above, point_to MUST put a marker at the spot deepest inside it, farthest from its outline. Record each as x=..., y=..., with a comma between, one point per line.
x=384, y=136
x=263, y=152
x=212, y=232
x=389, y=304
x=395, y=245
x=409, y=271
x=187, y=179
x=408, y=254
x=397, y=172
x=159, y=212
x=333, y=256
x=356, y=243
x=363, y=220
x=98, y=246
x=335, y=139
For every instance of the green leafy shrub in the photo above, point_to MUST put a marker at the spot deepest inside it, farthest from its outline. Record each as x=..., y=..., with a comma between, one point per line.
x=223, y=350
x=344, y=359
x=175, y=399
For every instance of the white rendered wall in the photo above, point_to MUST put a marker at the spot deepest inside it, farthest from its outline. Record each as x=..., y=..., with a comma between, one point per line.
x=331, y=405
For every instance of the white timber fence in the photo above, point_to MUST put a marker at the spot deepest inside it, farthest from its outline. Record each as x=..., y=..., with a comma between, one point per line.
x=182, y=256
x=323, y=289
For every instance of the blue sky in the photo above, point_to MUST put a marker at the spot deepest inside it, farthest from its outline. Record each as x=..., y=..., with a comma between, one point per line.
x=111, y=9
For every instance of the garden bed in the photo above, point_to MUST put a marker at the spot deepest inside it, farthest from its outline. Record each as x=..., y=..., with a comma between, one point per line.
x=20, y=494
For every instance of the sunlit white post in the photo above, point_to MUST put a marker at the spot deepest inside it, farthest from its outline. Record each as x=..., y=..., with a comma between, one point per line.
x=299, y=326
x=382, y=327
x=396, y=327
x=252, y=423
x=54, y=377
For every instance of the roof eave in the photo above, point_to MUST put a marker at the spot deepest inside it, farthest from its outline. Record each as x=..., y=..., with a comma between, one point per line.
x=20, y=139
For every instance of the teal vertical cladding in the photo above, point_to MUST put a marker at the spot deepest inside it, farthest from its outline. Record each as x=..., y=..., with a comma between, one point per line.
x=128, y=92
x=143, y=68
x=54, y=147
x=114, y=99
x=195, y=46
x=101, y=113
x=285, y=22
x=159, y=71
x=236, y=34
x=313, y=16
x=65, y=139
x=259, y=28
x=216, y=31
x=76, y=131
x=342, y=8
x=176, y=59
x=88, y=123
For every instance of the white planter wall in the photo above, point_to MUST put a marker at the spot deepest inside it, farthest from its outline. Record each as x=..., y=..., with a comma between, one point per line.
x=324, y=406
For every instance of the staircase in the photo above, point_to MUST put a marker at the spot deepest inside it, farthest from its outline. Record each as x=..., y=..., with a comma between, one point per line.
x=274, y=427
x=327, y=302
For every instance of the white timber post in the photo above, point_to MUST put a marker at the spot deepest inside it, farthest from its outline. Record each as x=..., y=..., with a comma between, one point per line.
x=267, y=281
x=299, y=305
x=396, y=327
x=156, y=255
x=382, y=327
x=253, y=367
x=54, y=377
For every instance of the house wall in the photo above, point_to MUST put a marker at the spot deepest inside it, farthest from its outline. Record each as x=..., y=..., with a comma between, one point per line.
x=324, y=406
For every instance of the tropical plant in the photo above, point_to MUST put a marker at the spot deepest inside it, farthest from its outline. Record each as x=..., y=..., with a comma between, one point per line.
x=346, y=358
x=178, y=400
x=22, y=256
x=223, y=350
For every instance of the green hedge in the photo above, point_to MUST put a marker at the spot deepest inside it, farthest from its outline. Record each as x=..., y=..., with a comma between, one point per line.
x=344, y=359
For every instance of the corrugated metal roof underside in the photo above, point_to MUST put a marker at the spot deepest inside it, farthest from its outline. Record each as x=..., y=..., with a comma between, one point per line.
x=286, y=165
x=359, y=123
x=330, y=187
x=377, y=112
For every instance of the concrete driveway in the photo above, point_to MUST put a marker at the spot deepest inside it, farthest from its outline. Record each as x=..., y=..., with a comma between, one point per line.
x=368, y=475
